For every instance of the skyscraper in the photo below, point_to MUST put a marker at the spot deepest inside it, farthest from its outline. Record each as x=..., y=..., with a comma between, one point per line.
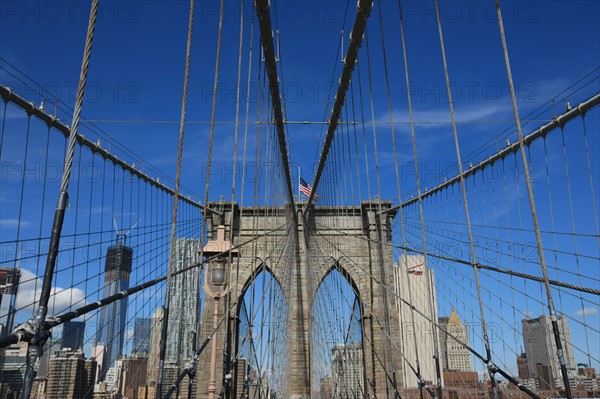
x=133, y=375
x=453, y=355
x=51, y=347
x=522, y=366
x=113, y=377
x=113, y=317
x=347, y=370
x=415, y=283
x=154, y=356
x=170, y=374
x=141, y=336
x=72, y=335
x=183, y=303
x=540, y=349
x=240, y=380
x=9, y=286
x=70, y=375
x=13, y=371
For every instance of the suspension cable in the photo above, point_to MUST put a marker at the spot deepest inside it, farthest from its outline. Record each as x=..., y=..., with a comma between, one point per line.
x=538, y=237
x=171, y=265
x=40, y=334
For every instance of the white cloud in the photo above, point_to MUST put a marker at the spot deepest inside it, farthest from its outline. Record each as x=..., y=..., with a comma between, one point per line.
x=473, y=112
x=586, y=312
x=60, y=298
x=12, y=223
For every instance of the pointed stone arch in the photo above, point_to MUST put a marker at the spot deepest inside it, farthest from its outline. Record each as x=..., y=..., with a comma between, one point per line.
x=359, y=234
x=349, y=356
x=244, y=346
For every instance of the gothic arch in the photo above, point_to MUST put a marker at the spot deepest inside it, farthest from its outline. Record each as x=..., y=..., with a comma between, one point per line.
x=253, y=330
x=347, y=353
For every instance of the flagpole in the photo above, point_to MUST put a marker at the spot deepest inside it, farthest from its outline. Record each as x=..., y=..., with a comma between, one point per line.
x=299, y=177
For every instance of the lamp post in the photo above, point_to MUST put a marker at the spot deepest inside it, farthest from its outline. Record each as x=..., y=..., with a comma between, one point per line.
x=217, y=286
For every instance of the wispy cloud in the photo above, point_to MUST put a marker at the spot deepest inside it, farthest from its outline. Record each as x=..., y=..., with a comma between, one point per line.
x=586, y=312
x=478, y=111
x=429, y=118
x=12, y=223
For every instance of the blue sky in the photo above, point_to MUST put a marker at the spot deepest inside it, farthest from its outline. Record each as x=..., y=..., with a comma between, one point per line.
x=136, y=75
x=138, y=55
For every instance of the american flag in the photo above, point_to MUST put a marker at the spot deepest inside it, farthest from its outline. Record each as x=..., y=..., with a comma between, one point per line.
x=306, y=189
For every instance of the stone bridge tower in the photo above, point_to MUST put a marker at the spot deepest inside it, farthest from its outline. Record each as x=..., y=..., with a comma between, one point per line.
x=353, y=239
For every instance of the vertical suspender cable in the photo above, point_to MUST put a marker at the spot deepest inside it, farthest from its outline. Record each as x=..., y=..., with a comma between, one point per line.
x=463, y=189
x=360, y=22
x=589, y=165
x=3, y=125
x=417, y=369
x=10, y=317
x=229, y=363
x=416, y=166
x=212, y=337
x=266, y=37
x=165, y=321
x=380, y=260
x=36, y=331
x=538, y=237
